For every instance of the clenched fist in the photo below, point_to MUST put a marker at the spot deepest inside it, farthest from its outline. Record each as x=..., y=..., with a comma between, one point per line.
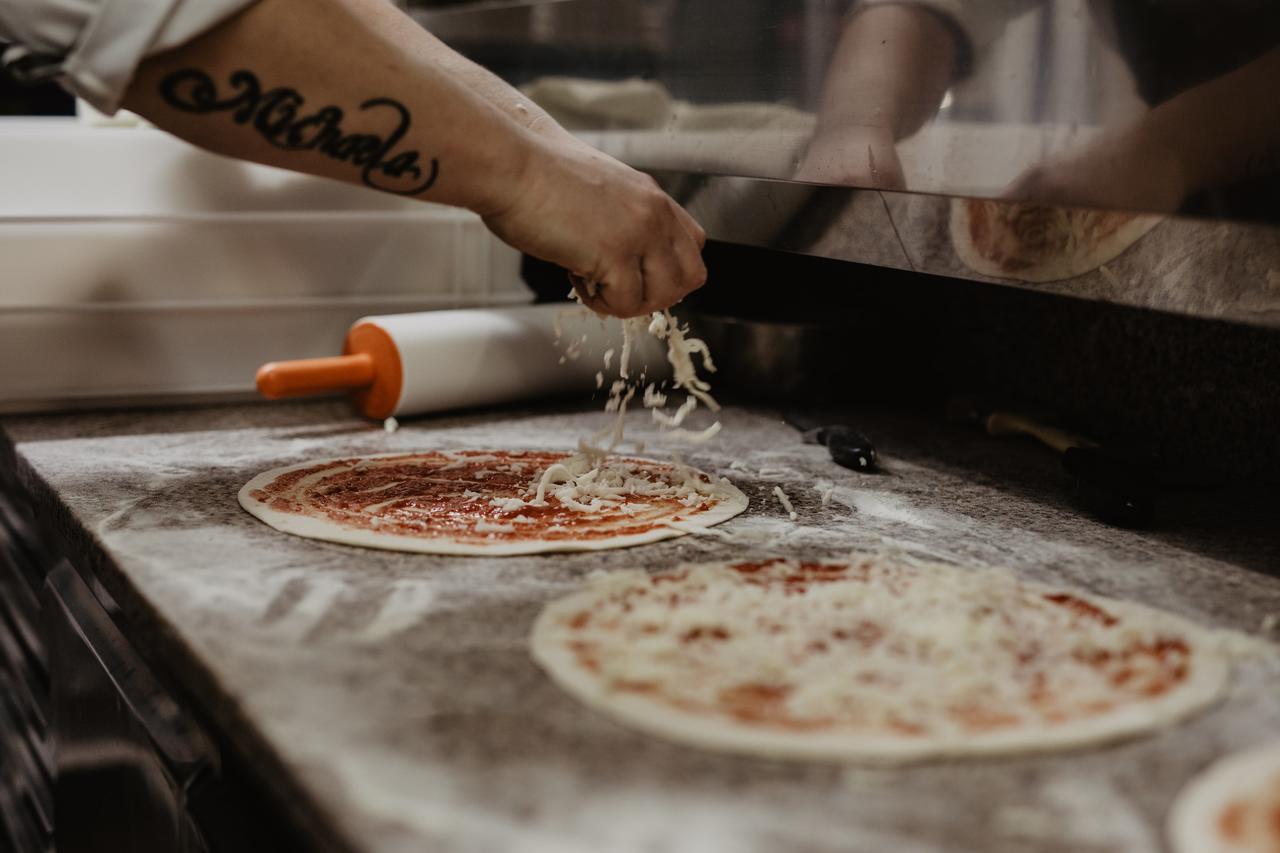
x=631, y=249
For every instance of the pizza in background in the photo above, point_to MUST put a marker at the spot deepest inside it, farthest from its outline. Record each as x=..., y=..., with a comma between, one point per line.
x=1233, y=807
x=1038, y=243
x=871, y=659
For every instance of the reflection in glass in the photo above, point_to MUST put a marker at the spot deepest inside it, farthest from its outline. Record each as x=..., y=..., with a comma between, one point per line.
x=1156, y=105
x=1014, y=140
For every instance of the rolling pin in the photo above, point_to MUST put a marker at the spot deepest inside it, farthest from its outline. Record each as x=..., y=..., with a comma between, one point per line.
x=406, y=364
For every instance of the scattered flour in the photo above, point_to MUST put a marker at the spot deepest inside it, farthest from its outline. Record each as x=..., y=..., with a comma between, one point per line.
x=886, y=507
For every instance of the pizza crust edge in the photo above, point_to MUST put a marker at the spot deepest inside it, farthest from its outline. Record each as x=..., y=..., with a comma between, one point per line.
x=1194, y=813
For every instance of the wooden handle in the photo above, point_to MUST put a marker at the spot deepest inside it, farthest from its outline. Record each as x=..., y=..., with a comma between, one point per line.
x=316, y=376
x=1015, y=423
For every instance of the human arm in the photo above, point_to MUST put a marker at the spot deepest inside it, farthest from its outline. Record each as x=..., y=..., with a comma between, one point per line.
x=355, y=90
x=1221, y=132
x=890, y=71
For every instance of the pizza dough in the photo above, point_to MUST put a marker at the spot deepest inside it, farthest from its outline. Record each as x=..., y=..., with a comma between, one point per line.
x=490, y=502
x=873, y=659
x=1233, y=807
x=1036, y=243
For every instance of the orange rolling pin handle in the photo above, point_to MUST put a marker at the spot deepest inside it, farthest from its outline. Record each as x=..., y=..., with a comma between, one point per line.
x=301, y=378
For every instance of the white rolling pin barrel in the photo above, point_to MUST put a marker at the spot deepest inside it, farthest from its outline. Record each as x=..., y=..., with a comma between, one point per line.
x=407, y=364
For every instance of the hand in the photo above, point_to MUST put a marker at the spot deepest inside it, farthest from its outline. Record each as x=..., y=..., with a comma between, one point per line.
x=854, y=156
x=631, y=249
x=1120, y=170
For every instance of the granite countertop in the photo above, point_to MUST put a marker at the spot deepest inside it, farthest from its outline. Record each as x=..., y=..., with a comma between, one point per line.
x=393, y=698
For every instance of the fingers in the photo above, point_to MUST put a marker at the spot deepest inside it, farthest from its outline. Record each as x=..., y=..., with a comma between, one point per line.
x=588, y=290
x=691, y=226
x=622, y=292
x=667, y=274
x=663, y=280
x=688, y=254
x=609, y=224
x=665, y=266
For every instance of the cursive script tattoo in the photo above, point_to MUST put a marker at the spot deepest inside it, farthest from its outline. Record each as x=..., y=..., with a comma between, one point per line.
x=277, y=115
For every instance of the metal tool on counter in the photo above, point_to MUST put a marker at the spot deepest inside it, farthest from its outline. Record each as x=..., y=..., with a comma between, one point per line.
x=407, y=364
x=1118, y=488
x=848, y=447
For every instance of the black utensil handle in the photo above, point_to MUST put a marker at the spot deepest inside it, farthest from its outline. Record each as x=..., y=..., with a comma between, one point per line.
x=849, y=448
x=1115, y=490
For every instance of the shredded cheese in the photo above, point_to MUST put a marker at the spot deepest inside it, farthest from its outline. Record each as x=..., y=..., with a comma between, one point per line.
x=785, y=501
x=876, y=647
x=696, y=436
x=591, y=483
x=483, y=526
x=681, y=413
x=591, y=480
x=653, y=398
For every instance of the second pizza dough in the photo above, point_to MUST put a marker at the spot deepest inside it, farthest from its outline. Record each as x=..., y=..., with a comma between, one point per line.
x=872, y=659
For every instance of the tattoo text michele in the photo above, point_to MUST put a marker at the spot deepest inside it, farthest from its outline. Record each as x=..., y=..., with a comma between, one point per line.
x=277, y=115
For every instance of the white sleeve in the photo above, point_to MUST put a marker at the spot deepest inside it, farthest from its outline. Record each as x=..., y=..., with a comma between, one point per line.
x=977, y=22
x=93, y=47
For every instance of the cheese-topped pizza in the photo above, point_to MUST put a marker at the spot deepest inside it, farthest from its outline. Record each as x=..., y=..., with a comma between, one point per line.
x=873, y=658
x=1233, y=807
x=1039, y=243
x=490, y=501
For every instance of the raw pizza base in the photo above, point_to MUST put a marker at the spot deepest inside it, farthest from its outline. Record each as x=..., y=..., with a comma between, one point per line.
x=555, y=634
x=1248, y=778
x=1038, y=243
x=728, y=502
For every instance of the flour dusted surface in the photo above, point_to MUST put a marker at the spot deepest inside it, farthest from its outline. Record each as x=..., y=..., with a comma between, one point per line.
x=874, y=659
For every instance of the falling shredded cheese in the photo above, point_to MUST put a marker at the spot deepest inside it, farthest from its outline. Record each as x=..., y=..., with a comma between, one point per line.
x=681, y=413
x=591, y=480
x=653, y=398
x=696, y=436
x=391, y=425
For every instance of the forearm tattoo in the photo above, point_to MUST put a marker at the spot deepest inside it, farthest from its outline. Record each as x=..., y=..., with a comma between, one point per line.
x=277, y=115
